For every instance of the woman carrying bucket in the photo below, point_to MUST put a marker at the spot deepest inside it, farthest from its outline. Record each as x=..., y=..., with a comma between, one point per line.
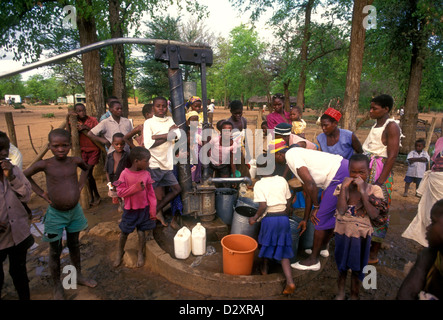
x=273, y=196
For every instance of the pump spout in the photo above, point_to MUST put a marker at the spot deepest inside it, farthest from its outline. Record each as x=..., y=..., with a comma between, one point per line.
x=246, y=180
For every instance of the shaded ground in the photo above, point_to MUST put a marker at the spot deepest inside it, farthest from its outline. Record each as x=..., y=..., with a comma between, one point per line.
x=126, y=283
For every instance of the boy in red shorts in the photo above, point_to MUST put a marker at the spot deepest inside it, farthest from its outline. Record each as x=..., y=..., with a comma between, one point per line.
x=90, y=151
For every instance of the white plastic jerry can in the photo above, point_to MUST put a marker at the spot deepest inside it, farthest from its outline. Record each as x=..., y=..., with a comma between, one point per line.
x=198, y=240
x=182, y=243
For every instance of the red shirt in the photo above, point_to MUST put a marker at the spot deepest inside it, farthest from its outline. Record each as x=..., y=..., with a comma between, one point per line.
x=85, y=143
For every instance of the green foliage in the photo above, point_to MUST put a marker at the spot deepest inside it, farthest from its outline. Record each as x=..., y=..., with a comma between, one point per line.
x=12, y=85
x=48, y=115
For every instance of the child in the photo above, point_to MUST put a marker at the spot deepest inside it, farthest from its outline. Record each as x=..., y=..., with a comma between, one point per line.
x=273, y=195
x=116, y=162
x=64, y=211
x=135, y=186
x=417, y=163
x=359, y=206
x=138, y=131
x=298, y=124
x=222, y=152
x=113, y=124
x=156, y=132
x=15, y=236
x=89, y=151
x=425, y=280
x=240, y=125
x=195, y=104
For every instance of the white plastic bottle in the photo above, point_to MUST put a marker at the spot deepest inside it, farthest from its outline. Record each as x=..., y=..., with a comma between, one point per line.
x=198, y=240
x=182, y=243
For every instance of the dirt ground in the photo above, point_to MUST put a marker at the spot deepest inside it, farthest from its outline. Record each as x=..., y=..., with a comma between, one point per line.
x=126, y=283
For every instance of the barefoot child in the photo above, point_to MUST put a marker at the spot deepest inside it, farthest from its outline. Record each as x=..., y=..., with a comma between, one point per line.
x=273, y=195
x=156, y=131
x=64, y=211
x=359, y=206
x=90, y=152
x=417, y=163
x=116, y=162
x=135, y=186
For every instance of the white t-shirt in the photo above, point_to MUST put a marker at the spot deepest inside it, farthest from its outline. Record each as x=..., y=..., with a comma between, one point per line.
x=108, y=127
x=274, y=191
x=322, y=166
x=161, y=156
x=211, y=107
x=417, y=169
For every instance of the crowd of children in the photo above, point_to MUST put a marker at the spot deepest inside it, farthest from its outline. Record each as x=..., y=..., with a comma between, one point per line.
x=142, y=179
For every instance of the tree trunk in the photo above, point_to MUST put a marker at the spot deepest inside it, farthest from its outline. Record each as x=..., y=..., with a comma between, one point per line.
x=410, y=118
x=304, y=55
x=287, y=94
x=119, y=68
x=95, y=103
x=355, y=65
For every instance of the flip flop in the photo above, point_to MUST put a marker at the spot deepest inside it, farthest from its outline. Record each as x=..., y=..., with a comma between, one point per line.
x=373, y=261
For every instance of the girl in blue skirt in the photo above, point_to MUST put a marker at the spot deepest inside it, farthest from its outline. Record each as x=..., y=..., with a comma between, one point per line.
x=360, y=206
x=273, y=196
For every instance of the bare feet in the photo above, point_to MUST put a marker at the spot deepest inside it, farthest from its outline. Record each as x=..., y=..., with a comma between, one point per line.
x=96, y=202
x=161, y=218
x=140, y=260
x=264, y=268
x=119, y=259
x=340, y=296
x=86, y=282
x=59, y=292
x=289, y=289
x=174, y=224
x=149, y=235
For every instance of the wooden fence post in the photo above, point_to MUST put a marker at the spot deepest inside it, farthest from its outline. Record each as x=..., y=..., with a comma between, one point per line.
x=11, y=128
x=430, y=133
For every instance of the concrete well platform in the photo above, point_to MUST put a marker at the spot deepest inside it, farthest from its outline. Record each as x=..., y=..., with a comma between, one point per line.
x=207, y=277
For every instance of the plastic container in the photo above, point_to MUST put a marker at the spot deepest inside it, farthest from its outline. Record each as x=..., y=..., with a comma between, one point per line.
x=198, y=237
x=245, y=208
x=238, y=254
x=225, y=199
x=182, y=243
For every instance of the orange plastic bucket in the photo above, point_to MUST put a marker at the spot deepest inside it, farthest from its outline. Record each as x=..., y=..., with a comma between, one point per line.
x=238, y=254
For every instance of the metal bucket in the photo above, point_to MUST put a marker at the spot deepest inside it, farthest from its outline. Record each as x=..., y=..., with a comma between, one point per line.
x=225, y=199
x=244, y=209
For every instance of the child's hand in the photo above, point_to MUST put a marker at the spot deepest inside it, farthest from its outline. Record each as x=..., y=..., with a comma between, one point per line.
x=142, y=185
x=6, y=166
x=46, y=197
x=347, y=182
x=359, y=182
x=173, y=127
x=252, y=220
